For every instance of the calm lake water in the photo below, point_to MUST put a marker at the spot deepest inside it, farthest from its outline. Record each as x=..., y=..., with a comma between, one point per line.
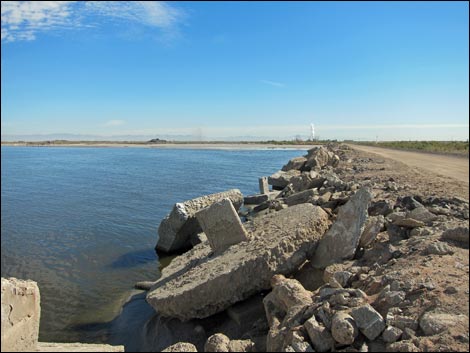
x=82, y=222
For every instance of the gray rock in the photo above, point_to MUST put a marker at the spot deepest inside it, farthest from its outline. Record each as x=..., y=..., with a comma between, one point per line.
x=459, y=234
x=408, y=223
x=217, y=343
x=255, y=199
x=300, y=197
x=372, y=227
x=241, y=346
x=432, y=323
x=422, y=214
x=295, y=163
x=369, y=321
x=289, y=293
x=382, y=207
x=343, y=328
x=342, y=277
x=181, y=347
x=307, y=180
x=175, y=229
x=20, y=315
x=342, y=239
x=317, y=157
x=280, y=179
x=391, y=334
x=222, y=226
x=321, y=338
x=296, y=342
x=402, y=346
x=438, y=248
x=263, y=185
x=198, y=285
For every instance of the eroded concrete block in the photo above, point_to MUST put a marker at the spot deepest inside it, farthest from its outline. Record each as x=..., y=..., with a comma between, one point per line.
x=222, y=225
x=176, y=228
x=20, y=315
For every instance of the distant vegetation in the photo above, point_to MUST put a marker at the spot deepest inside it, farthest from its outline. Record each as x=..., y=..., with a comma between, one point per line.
x=448, y=147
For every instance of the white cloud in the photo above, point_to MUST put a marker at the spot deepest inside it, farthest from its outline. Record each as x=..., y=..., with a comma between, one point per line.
x=114, y=123
x=23, y=20
x=273, y=83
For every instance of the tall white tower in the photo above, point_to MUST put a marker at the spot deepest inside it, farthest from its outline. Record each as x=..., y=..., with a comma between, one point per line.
x=312, y=132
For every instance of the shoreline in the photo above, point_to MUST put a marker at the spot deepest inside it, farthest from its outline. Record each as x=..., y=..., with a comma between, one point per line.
x=202, y=146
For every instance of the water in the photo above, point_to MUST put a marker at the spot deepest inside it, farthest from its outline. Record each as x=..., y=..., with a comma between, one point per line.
x=82, y=221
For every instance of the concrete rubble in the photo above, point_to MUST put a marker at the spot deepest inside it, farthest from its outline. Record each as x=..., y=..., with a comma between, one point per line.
x=177, y=227
x=279, y=243
x=341, y=240
x=222, y=226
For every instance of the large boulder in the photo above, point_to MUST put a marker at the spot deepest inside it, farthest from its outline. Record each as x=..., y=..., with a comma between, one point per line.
x=20, y=315
x=342, y=239
x=198, y=284
x=177, y=227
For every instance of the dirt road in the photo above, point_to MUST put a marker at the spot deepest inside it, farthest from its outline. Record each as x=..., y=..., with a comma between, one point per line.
x=448, y=166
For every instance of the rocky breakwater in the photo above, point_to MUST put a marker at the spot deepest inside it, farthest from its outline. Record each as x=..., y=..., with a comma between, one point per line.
x=328, y=262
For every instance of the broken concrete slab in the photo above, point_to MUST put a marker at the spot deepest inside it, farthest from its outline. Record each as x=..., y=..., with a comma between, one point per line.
x=199, y=285
x=176, y=228
x=21, y=312
x=255, y=199
x=280, y=179
x=301, y=197
x=221, y=224
x=342, y=239
x=295, y=163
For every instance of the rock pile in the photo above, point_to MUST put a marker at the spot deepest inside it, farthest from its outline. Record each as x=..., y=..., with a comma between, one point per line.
x=349, y=242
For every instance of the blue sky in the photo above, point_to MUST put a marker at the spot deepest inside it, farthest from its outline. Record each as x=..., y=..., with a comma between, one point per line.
x=228, y=70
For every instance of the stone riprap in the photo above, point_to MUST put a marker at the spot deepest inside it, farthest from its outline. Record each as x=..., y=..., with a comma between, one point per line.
x=21, y=312
x=199, y=285
x=177, y=227
x=221, y=224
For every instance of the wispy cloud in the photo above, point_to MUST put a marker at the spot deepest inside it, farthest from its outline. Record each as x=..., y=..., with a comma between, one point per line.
x=24, y=20
x=273, y=83
x=111, y=123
